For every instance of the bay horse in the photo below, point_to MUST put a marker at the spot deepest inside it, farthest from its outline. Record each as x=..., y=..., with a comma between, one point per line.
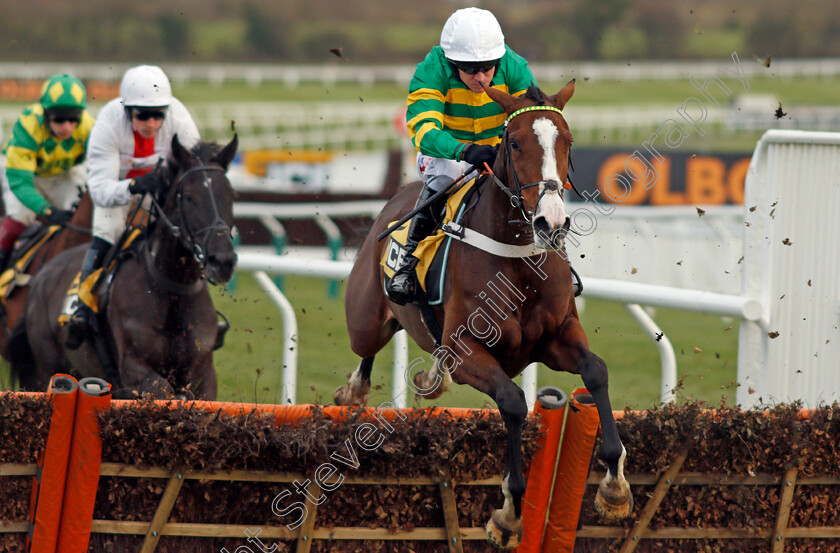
x=488, y=339
x=76, y=232
x=159, y=322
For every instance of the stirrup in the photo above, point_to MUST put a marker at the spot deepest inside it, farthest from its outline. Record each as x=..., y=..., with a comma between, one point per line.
x=409, y=292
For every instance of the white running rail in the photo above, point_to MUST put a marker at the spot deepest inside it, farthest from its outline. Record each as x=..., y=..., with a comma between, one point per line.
x=624, y=292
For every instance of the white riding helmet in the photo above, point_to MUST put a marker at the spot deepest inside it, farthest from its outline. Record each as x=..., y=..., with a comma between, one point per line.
x=471, y=35
x=146, y=86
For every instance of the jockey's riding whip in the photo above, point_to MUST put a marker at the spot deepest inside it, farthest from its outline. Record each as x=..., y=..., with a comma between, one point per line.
x=422, y=206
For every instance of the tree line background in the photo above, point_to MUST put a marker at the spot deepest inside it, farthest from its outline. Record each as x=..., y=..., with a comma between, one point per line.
x=384, y=31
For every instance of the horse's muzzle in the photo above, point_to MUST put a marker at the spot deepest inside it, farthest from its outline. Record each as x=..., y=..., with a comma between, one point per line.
x=219, y=267
x=548, y=238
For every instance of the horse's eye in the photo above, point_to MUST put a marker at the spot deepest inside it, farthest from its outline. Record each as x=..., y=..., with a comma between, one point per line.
x=514, y=144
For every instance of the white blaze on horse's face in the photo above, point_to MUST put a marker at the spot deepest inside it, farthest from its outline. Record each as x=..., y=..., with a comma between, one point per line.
x=550, y=219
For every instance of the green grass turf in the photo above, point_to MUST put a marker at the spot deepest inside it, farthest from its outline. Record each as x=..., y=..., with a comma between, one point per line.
x=250, y=364
x=800, y=91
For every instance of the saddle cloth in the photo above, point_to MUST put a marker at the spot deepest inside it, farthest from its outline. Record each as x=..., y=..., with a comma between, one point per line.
x=29, y=243
x=432, y=252
x=85, y=292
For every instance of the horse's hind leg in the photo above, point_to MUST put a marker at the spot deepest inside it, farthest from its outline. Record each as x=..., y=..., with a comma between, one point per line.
x=370, y=323
x=571, y=353
x=356, y=391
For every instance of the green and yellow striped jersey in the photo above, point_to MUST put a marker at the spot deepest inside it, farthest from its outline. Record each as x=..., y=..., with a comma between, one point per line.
x=443, y=114
x=34, y=150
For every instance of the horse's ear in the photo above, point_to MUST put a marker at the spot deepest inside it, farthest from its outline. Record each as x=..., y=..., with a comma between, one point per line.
x=227, y=154
x=181, y=154
x=559, y=100
x=505, y=100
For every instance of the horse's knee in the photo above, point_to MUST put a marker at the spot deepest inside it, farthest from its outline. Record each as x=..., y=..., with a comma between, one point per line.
x=593, y=372
x=151, y=384
x=512, y=404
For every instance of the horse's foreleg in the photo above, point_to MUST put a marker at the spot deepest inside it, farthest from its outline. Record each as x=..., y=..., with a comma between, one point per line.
x=137, y=377
x=504, y=529
x=433, y=383
x=202, y=382
x=614, y=499
x=356, y=391
x=481, y=371
x=571, y=353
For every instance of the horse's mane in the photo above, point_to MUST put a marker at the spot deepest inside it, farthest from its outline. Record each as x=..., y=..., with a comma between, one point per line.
x=206, y=150
x=536, y=95
x=203, y=150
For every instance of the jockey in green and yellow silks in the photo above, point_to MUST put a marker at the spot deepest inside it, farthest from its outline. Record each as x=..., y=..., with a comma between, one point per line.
x=452, y=122
x=44, y=170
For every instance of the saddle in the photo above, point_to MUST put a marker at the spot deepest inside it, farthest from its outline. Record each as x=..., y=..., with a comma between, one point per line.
x=29, y=242
x=85, y=292
x=431, y=253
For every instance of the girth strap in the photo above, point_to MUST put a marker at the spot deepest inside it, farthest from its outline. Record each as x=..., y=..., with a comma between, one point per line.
x=431, y=321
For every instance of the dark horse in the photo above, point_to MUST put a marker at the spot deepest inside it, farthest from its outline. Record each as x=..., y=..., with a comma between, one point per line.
x=535, y=316
x=159, y=323
x=75, y=233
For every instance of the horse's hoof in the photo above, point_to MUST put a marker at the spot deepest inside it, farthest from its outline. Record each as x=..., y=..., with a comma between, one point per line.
x=344, y=396
x=423, y=390
x=614, y=499
x=502, y=534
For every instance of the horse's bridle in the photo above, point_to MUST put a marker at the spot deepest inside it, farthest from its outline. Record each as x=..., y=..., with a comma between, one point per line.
x=515, y=193
x=194, y=242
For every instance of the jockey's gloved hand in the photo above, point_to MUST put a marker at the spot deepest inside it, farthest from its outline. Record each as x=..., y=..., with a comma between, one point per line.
x=58, y=216
x=148, y=183
x=477, y=154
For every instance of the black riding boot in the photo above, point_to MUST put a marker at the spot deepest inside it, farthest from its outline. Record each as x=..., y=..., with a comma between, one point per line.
x=78, y=325
x=403, y=287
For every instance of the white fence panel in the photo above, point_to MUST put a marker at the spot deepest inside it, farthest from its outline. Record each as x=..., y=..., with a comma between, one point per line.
x=791, y=265
x=664, y=246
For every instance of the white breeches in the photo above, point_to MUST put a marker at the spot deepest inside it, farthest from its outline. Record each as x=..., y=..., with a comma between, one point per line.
x=439, y=173
x=61, y=191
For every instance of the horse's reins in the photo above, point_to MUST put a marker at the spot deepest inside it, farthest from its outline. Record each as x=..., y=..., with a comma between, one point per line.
x=515, y=194
x=77, y=228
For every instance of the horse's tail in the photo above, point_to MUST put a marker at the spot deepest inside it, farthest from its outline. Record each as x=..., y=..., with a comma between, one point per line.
x=20, y=357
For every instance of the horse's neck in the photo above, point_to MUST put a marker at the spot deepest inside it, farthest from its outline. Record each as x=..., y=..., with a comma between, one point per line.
x=171, y=257
x=78, y=231
x=494, y=216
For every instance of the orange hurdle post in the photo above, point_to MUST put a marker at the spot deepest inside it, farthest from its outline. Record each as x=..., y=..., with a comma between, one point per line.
x=572, y=470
